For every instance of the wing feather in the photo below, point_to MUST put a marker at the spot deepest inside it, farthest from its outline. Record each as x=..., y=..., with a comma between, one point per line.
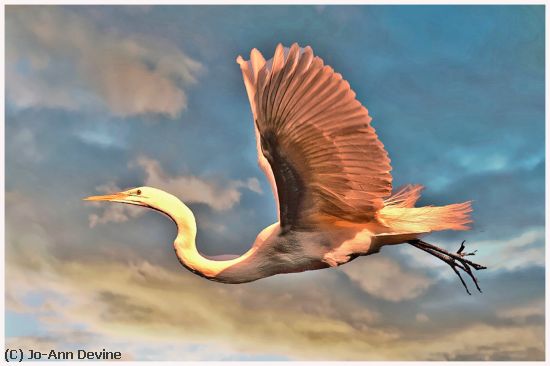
x=314, y=139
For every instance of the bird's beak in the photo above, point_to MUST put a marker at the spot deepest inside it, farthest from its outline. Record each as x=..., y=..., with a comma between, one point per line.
x=117, y=197
x=122, y=197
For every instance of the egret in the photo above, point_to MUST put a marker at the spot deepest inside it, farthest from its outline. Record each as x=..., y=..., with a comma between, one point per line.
x=330, y=176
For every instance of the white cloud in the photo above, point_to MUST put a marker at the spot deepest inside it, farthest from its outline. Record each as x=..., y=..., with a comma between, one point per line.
x=386, y=279
x=56, y=58
x=188, y=188
x=252, y=184
x=524, y=250
x=516, y=252
x=519, y=251
x=193, y=189
x=100, y=137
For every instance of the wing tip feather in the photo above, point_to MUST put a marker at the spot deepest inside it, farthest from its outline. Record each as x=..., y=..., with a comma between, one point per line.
x=240, y=60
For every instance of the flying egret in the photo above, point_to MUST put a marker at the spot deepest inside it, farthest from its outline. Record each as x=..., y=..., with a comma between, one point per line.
x=329, y=173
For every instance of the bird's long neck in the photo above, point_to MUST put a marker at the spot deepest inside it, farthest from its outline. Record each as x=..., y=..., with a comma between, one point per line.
x=241, y=269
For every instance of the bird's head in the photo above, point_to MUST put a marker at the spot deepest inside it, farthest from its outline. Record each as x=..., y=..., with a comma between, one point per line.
x=140, y=196
x=154, y=198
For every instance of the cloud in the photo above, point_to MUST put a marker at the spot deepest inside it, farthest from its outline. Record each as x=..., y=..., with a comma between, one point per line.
x=32, y=342
x=188, y=188
x=524, y=250
x=191, y=189
x=387, y=279
x=422, y=318
x=25, y=141
x=58, y=59
x=533, y=308
x=484, y=343
x=137, y=304
x=99, y=137
x=114, y=212
x=252, y=184
x=130, y=304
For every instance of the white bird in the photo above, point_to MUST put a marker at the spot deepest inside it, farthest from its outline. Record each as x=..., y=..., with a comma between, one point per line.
x=330, y=176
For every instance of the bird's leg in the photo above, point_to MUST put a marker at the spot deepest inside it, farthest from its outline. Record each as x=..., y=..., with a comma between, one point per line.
x=455, y=260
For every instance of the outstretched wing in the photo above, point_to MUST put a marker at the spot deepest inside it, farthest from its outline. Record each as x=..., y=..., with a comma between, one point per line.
x=315, y=143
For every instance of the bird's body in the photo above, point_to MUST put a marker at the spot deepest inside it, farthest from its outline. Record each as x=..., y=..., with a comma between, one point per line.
x=273, y=251
x=329, y=173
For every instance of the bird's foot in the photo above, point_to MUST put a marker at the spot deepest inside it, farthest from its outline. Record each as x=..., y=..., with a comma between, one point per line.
x=462, y=246
x=455, y=260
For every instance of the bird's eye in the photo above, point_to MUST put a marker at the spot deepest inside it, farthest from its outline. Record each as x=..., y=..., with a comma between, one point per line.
x=138, y=192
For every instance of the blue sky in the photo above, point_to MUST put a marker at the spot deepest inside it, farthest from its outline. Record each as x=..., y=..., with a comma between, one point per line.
x=106, y=98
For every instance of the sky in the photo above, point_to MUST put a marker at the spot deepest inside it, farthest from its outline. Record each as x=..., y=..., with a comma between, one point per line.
x=102, y=98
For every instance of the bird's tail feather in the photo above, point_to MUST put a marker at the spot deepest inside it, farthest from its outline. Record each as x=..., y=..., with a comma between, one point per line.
x=400, y=215
x=405, y=197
